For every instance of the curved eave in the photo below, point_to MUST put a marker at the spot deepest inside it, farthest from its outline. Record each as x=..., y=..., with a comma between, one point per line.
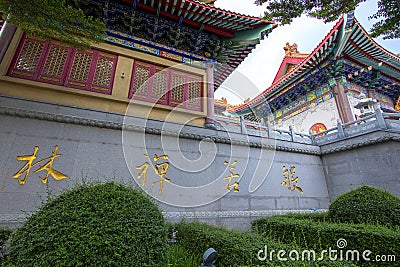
x=195, y=13
x=244, y=43
x=362, y=48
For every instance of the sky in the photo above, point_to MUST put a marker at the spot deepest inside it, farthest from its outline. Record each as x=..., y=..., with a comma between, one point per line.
x=257, y=71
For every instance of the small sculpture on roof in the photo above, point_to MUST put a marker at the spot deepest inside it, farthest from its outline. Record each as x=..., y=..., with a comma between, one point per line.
x=290, y=50
x=210, y=2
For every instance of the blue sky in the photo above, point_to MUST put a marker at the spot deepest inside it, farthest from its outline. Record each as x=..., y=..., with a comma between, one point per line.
x=257, y=71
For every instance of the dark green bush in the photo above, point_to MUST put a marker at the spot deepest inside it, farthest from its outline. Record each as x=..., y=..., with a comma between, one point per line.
x=4, y=234
x=97, y=225
x=366, y=205
x=316, y=216
x=236, y=248
x=309, y=234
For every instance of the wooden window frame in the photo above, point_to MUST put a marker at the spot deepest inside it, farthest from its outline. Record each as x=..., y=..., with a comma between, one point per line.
x=64, y=80
x=168, y=101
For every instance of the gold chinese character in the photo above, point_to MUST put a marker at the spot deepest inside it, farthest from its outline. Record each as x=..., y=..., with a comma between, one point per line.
x=232, y=175
x=48, y=167
x=144, y=168
x=160, y=169
x=290, y=180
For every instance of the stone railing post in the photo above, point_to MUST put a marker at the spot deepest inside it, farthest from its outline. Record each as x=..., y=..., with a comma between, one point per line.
x=380, y=119
x=292, y=133
x=312, y=137
x=340, y=129
x=265, y=122
x=243, y=129
x=269, y=127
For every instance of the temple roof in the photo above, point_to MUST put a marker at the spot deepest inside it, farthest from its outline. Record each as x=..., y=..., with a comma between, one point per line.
x=290, y=61
x=196, y=13
x=191, y=30
x=347, y=43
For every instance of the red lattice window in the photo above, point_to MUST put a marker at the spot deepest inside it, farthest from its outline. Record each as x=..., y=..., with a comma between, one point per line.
x=160, y=86
x=55, y=64
x=194, y=92
x=51, y=62
x=141, y=80
x=166, y=86
x=30, y=54
x=177, y=88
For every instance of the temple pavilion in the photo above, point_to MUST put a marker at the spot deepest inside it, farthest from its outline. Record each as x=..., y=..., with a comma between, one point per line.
x=312, y=91
x=162, y=56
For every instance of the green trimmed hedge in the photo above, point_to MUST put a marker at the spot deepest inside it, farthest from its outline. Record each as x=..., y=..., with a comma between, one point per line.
x=236, y=248
x=96, y=225
x=310, y=234
x=4, y=234
x=366, y=204
x=315, y=216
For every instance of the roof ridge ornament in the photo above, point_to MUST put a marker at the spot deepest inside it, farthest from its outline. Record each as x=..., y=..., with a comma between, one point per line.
x=208, y=2
x=291, y=50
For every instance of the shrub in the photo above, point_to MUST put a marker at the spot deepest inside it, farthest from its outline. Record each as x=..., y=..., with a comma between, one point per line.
x=4, y=235
x=179, y=256
x=317, y=216
x=366, y=205
x=96, y=225
x=322, y=235
x=236, y=248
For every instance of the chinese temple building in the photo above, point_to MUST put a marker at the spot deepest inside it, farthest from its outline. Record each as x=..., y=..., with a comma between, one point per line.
x=161, y=55
x=312, y=91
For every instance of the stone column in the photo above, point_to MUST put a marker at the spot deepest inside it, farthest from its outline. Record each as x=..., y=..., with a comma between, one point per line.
x=342, y=103
x=6, y=35
x=210, y=121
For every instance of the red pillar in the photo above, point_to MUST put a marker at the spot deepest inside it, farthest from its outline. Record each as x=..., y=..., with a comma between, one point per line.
x=342, y=103
x=210, y=122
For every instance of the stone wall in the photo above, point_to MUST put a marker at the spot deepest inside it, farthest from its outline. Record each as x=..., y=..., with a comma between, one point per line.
x=101, y=146
x=368, y=159
x=202, y=164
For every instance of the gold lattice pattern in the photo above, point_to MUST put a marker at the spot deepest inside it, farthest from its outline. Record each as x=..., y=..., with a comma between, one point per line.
x=160, y=85
x=103, y=72
x=142, y=74
x=194, y=92
x=178, y=87
x=30, y=55
x=81, y=66
x=55, y=61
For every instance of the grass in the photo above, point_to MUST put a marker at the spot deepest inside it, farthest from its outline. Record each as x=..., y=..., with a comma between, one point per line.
x=179, y=256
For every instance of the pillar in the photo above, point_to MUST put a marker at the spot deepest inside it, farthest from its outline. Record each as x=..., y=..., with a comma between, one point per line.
x=210, y=121
x=6, y=35
x=342, y=103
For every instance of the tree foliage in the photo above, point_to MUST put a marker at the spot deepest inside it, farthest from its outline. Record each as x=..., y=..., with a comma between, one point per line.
x=284, y=11
x=57, y=19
